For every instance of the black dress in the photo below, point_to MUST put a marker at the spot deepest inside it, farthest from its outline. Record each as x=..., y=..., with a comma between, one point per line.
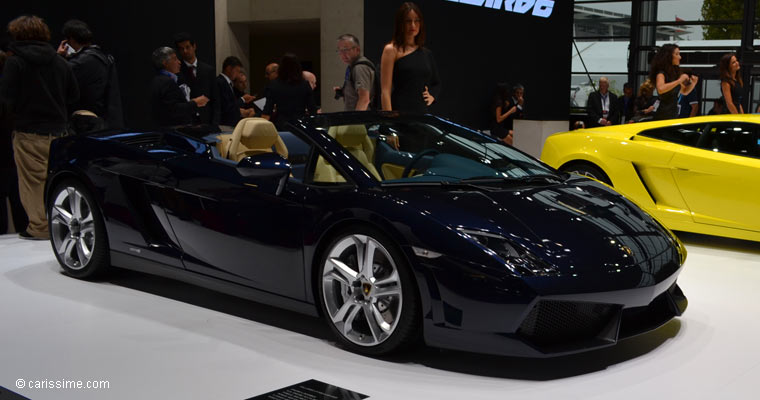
x=411, y=74
x=737, y=92
x=501, y=129
x=668, y=108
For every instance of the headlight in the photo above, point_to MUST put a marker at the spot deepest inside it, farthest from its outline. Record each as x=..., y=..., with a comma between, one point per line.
x=519, y=260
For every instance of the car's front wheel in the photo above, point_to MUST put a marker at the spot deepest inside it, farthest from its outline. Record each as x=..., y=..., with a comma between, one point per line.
x=368, y=295
x=77, y=231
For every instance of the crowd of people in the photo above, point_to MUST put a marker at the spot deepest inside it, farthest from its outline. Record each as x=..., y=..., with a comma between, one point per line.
x=676, y=94
x=46, y=92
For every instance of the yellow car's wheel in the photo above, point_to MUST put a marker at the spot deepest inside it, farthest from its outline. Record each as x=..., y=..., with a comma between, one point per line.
x=587, y=169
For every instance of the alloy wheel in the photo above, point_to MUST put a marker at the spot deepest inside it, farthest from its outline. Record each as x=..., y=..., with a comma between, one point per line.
x=362, y=290
x=72, y=228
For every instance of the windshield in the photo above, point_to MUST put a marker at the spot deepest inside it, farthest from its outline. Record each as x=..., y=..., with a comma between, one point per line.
x=430, y=149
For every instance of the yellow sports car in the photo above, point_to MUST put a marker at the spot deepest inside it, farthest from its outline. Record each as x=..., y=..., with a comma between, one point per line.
x=697, y=174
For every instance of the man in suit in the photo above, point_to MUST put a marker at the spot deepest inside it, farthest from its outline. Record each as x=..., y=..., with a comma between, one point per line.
x=625, y=103
x=240, y=86
x=199, y=77
x=171, y=103
x=603, y=106
x=229, y=103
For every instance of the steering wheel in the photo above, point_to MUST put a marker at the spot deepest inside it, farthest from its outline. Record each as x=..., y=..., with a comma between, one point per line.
x=416, y=159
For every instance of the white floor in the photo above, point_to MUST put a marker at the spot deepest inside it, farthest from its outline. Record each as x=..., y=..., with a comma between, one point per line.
x=152, y=338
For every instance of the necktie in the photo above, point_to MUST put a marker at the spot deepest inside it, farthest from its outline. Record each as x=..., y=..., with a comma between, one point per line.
x=194, y=69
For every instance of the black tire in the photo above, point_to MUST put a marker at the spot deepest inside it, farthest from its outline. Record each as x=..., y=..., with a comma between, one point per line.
x=78, y=235
x=368, y=296
x=588, y=170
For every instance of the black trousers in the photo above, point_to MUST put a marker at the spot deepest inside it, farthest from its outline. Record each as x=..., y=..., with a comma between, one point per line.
x=9, y=190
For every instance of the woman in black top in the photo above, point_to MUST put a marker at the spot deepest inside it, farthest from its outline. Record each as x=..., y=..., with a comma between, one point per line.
x=731, y=85
x=408, y=74
x=289, y=93
x=504, y=114
x=667, y=76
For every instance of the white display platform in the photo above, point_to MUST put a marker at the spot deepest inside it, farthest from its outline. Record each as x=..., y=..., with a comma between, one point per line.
x=529, y=135
x=152, y=338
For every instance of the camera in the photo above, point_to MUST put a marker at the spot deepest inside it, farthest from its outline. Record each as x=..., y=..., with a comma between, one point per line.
x=338, y=93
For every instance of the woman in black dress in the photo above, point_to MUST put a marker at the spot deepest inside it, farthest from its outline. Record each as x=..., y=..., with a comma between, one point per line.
x=731, y=85
x=667, y=77
x=290, y=95
x=504, y=112
x=408, y=74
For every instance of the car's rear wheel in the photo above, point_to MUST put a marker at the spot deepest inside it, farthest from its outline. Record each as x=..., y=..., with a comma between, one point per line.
x=587, y=169
x=77, y=231
x=368, y=295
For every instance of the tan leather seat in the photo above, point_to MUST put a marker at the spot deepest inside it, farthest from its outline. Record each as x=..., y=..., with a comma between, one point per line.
x=254, y=136
x=355, y=139
x=324, y=172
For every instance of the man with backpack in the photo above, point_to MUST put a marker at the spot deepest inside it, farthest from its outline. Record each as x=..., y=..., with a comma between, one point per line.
x=38, y=89
x=95, y=72
x=360, y=90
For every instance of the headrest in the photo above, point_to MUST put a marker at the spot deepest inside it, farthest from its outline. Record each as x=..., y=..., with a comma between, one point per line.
x=349, y=135
x=86, y=113
x=258, y=133
x=84, y=121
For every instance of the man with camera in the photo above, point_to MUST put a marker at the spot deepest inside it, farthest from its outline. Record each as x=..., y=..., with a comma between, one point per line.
x=358, y=90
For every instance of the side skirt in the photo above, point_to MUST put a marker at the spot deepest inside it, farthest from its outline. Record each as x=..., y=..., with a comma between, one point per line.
x=126, y=261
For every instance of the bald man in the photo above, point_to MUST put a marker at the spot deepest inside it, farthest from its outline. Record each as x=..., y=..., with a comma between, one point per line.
x=603, y=106
x=270, y=71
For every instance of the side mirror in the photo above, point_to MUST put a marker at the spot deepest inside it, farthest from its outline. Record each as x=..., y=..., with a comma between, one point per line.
x=267, y=172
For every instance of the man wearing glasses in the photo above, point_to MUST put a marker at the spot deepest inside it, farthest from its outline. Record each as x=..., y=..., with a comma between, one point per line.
x=359, y=85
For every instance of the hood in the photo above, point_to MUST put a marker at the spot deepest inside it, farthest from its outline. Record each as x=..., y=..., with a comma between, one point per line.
x=94, y=51
x=591, y=235
x=34, y=52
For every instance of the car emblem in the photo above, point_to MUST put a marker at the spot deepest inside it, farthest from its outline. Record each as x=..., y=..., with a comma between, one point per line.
x=627, y=250
x=366, y=288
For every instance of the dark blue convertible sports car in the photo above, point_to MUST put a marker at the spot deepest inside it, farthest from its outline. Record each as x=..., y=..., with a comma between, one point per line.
x=391, y=227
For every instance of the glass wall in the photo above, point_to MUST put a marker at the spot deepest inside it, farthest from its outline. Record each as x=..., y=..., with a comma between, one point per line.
x=601, y=35
x=617, y=39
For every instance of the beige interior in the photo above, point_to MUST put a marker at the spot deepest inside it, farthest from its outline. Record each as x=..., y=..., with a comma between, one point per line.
x=355, y=139
x=393, y=171
x=324, y=172
x=251, y=136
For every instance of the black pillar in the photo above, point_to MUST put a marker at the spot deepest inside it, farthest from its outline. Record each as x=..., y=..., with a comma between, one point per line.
x=746, y=51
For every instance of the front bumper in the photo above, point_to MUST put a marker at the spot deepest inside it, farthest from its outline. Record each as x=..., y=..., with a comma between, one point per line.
x=549, y=326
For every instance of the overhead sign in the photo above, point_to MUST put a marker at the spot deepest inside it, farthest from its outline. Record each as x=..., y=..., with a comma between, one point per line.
x=538, y=8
